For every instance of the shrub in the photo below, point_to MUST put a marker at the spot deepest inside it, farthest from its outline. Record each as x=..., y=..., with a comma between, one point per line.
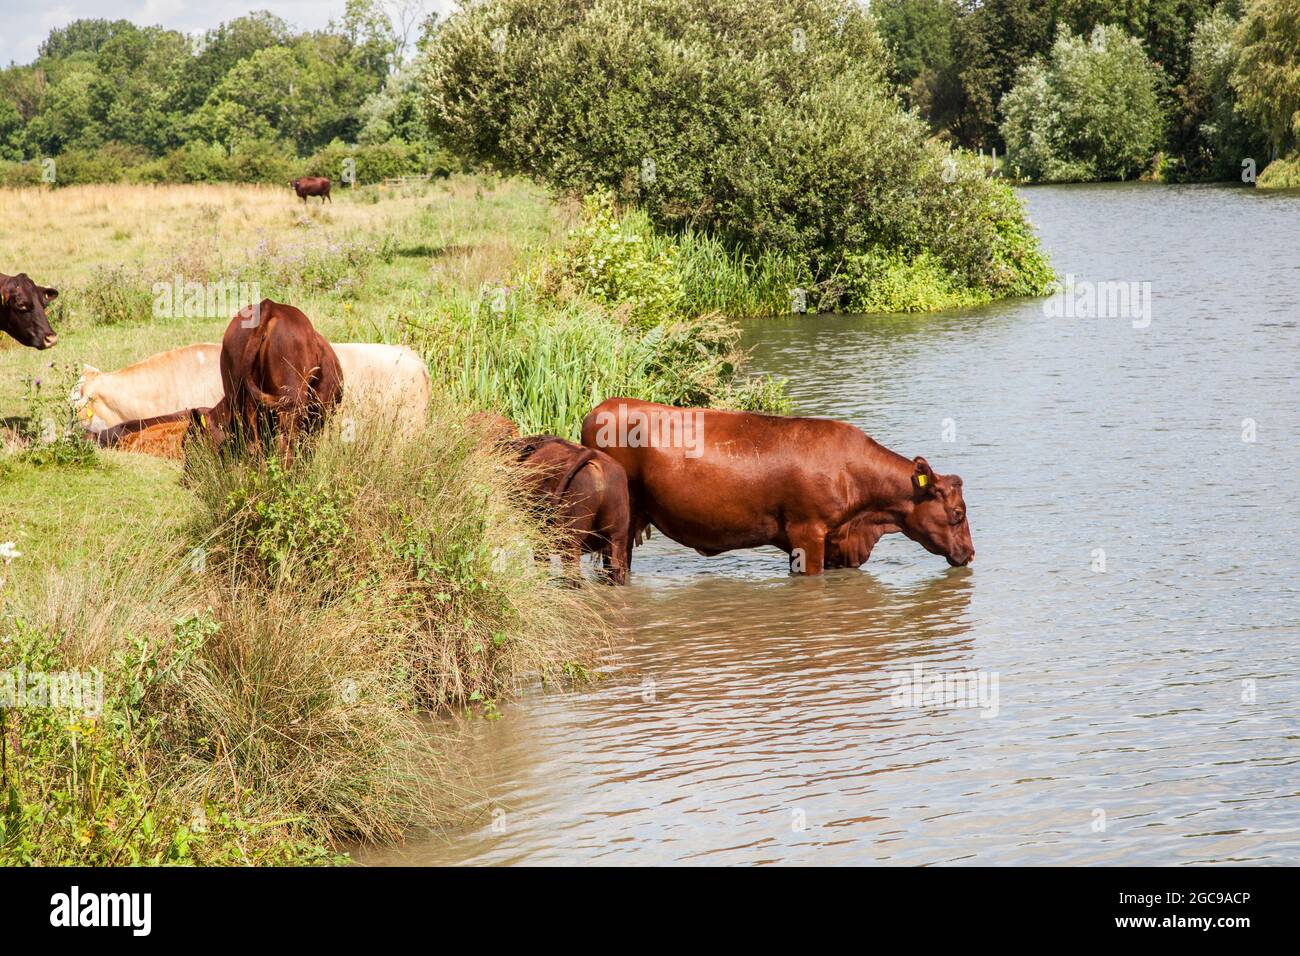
x=884, y=281
x=1089, y=111
x=418, y=543
x=614, y=265
x=85, y=787
x=670, y=104
x=1281, y=174
x=117, y=294
x=110, y=163
x=50, y=431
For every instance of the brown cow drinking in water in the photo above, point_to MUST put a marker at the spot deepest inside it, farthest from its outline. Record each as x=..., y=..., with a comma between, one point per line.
x=22, y=311
x=585, y=492
x=279, y=378
x=306, y=186
x=820, y=490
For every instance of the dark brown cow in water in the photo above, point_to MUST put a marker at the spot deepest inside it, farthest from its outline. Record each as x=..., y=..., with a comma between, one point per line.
x=306, y=186
x=717, y=481
x=279, y=378
x=585, y=494
x=22, y=311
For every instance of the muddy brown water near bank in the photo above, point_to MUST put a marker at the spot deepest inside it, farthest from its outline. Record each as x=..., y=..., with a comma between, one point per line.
x=1149, y=713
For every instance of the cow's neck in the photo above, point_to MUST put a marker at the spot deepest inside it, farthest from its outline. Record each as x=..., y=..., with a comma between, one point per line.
x=883, y=480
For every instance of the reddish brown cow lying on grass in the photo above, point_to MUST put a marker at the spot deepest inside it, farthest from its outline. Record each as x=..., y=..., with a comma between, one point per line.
x=279, y=378
x=22, y=311
x=306, y=186
x=163, y=435
x=819, y=490
x=586, y=493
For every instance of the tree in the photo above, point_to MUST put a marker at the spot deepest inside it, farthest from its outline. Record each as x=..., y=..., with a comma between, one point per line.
x=1214, y=137
x=1088, y=111
x=82, y=36
x=217, y=51
x=770, y=124
x=995, y=38
x=1267, y=75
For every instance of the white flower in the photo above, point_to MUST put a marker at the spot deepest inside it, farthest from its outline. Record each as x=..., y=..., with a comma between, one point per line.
x=9, y=551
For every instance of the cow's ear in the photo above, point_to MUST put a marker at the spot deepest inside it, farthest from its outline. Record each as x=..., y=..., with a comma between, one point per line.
x=922, y=476
x=50, y=294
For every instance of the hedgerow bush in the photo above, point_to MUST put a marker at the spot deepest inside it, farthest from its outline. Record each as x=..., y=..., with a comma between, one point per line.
x=769, y=125
x=1090, y=111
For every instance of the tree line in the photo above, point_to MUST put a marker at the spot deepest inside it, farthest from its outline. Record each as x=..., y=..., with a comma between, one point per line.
x=1104, y=89
x=242, y=101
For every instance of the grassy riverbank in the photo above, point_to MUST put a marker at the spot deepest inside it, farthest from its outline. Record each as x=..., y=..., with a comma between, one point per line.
x=270, y=641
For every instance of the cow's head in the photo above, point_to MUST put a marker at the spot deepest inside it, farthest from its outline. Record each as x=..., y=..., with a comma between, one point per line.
x=210, y=425
x=937, y=519
x=22, y=311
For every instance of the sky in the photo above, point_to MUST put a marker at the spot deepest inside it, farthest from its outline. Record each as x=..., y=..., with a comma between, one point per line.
x=25, y=23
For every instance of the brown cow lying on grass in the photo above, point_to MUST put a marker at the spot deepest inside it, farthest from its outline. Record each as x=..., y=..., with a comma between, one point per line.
x=279, y=376
x=163, y=436
x=585, y=492
x=820, y=490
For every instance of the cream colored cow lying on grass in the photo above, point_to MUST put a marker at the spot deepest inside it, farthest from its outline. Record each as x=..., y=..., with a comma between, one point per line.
x=382, y=379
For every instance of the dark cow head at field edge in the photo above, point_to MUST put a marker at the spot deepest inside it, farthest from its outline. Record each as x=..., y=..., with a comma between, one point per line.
x=937, y=520
x=22, y=311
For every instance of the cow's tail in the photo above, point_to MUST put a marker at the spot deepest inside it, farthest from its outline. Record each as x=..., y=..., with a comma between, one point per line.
x=585, y=457
x=525, y=448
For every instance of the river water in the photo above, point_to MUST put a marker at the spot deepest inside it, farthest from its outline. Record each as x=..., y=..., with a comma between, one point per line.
x=1134, y=602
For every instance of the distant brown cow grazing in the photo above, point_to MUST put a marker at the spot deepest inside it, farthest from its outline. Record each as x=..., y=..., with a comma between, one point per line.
x=22, y=311
x=306, y=186
x=279, y=378
x=820, y=490
x=586, y=492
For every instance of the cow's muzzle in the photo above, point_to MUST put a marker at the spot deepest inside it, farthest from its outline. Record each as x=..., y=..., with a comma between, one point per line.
x=49, y=341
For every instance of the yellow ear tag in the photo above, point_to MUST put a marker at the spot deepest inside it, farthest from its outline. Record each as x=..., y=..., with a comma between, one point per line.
x=203, y=420
x=922, y=481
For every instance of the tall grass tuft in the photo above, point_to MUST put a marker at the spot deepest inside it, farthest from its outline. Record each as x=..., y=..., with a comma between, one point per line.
x=422, y=537
x=267, y=673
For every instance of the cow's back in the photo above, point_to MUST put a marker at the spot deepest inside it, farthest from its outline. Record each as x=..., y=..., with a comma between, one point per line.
x=734, y=479
x=171, y=381
x=385, y=381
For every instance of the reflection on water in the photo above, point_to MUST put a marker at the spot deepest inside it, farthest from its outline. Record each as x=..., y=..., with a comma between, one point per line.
x=1149, y=713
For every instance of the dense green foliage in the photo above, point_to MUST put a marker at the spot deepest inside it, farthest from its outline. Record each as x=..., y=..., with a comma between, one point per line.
x=1224, y=74
x=113, y=101
x=1089, y=111
x=1266, y=77
x=670, y=105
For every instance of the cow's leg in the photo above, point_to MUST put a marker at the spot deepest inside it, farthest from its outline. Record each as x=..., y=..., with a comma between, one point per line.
x=618, y=556
x=807, y=548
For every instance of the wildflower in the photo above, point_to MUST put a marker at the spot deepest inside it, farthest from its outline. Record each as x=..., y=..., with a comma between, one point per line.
x=9, y=551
